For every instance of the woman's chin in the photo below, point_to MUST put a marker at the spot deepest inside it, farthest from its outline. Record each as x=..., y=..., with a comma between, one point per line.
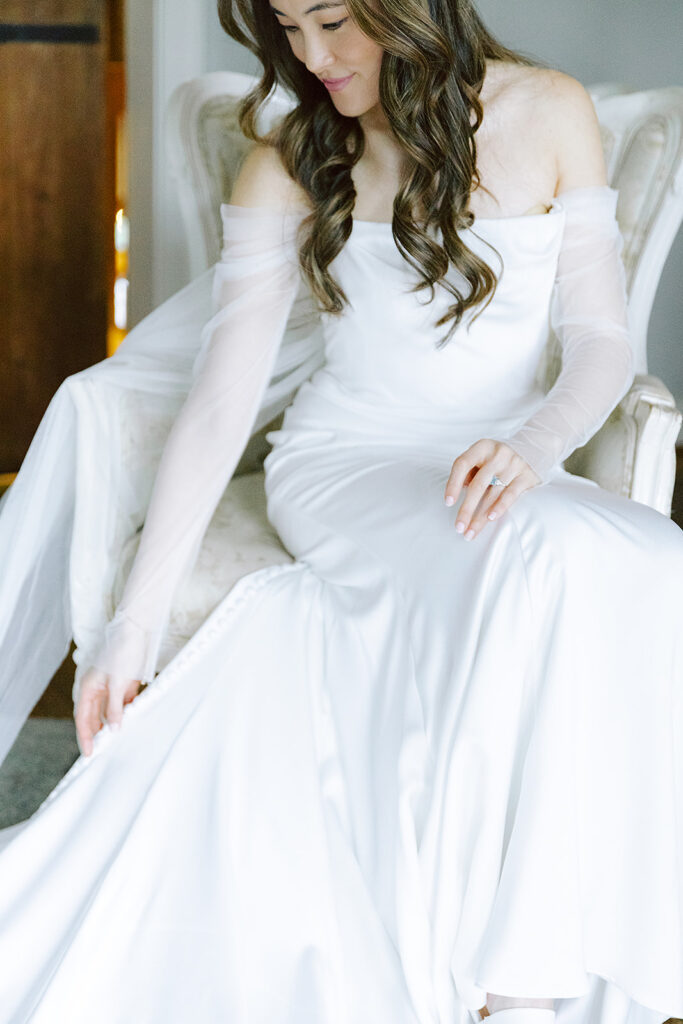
x=351, y=106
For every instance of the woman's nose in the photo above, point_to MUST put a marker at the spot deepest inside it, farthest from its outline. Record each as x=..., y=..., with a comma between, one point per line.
x=318, y=56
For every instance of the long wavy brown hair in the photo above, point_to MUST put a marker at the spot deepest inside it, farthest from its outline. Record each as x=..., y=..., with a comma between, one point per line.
x=432, y=72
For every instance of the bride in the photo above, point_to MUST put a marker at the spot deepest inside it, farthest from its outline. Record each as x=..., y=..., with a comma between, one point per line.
x=426, y=771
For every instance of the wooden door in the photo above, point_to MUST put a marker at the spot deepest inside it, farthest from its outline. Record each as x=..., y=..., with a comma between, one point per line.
x=54, y=210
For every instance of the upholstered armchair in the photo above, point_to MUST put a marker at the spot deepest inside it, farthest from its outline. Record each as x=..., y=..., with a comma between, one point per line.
x=633, y=454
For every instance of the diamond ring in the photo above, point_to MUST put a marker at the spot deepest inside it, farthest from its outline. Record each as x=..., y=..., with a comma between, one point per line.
x=496, y=482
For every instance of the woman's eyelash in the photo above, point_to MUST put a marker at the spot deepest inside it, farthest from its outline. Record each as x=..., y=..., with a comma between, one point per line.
x=331, y=26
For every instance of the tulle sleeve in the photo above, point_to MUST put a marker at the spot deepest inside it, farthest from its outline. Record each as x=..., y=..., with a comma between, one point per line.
x=254, y=287
x=589, y=317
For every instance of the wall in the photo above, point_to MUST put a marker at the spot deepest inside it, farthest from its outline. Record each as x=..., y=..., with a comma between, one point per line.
x=631, y=41
x=165, y=45
x=222, y=53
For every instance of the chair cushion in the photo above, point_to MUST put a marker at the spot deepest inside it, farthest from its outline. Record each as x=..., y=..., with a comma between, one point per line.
x=239, y=539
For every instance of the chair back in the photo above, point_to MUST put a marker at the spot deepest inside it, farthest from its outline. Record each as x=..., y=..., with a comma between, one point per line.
x=205, y=149
x=642, y=134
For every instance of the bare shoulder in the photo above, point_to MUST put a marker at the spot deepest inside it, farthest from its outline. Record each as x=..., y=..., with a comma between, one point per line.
x=569, y=119
x=264, y=181
x=555, y=113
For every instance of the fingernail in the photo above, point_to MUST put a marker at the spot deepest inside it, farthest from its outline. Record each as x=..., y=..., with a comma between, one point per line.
x=469, y=535
x=115, y=726
x=492, y=515
x=459, y=527
x=450, y=500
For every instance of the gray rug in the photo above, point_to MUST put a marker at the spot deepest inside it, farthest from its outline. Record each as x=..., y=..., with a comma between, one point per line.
x=41, y=755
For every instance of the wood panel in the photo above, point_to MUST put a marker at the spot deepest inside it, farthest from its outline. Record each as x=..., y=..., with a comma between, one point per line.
x=53, y=211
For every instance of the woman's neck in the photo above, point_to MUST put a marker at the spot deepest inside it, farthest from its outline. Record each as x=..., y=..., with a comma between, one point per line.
x=382, y=148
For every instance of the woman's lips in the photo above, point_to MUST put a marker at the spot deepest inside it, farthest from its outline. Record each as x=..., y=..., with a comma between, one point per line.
x=335, y=84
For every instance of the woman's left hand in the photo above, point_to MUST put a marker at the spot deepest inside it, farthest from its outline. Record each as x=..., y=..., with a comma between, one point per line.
x=474, y=470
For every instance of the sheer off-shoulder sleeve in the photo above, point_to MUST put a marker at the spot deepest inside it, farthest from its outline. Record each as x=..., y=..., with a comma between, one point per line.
x=254, y=288
x=589, y=317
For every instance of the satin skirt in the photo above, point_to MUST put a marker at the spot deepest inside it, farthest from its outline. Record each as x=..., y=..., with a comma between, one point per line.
x=400, y=772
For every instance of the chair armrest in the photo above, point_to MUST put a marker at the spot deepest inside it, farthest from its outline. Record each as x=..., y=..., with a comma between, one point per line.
x=634, y=451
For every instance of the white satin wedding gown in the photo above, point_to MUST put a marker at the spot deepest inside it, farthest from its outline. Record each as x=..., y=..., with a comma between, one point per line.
x=404, y=769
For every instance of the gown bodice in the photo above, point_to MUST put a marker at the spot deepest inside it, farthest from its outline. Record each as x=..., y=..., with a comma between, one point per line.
x=382, y=351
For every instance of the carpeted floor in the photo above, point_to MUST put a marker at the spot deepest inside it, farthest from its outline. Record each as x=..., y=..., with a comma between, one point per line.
x=41, y=755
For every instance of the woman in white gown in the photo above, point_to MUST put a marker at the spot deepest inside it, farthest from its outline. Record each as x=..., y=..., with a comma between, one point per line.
x=409, y=776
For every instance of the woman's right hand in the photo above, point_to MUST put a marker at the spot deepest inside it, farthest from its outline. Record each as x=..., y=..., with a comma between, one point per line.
x=100, y=701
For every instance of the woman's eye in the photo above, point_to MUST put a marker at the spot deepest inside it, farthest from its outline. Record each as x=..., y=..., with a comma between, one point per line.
x=331, y=26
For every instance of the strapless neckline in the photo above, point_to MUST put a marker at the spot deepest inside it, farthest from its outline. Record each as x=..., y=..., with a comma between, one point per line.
x=246, y=211
x=555, y=208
